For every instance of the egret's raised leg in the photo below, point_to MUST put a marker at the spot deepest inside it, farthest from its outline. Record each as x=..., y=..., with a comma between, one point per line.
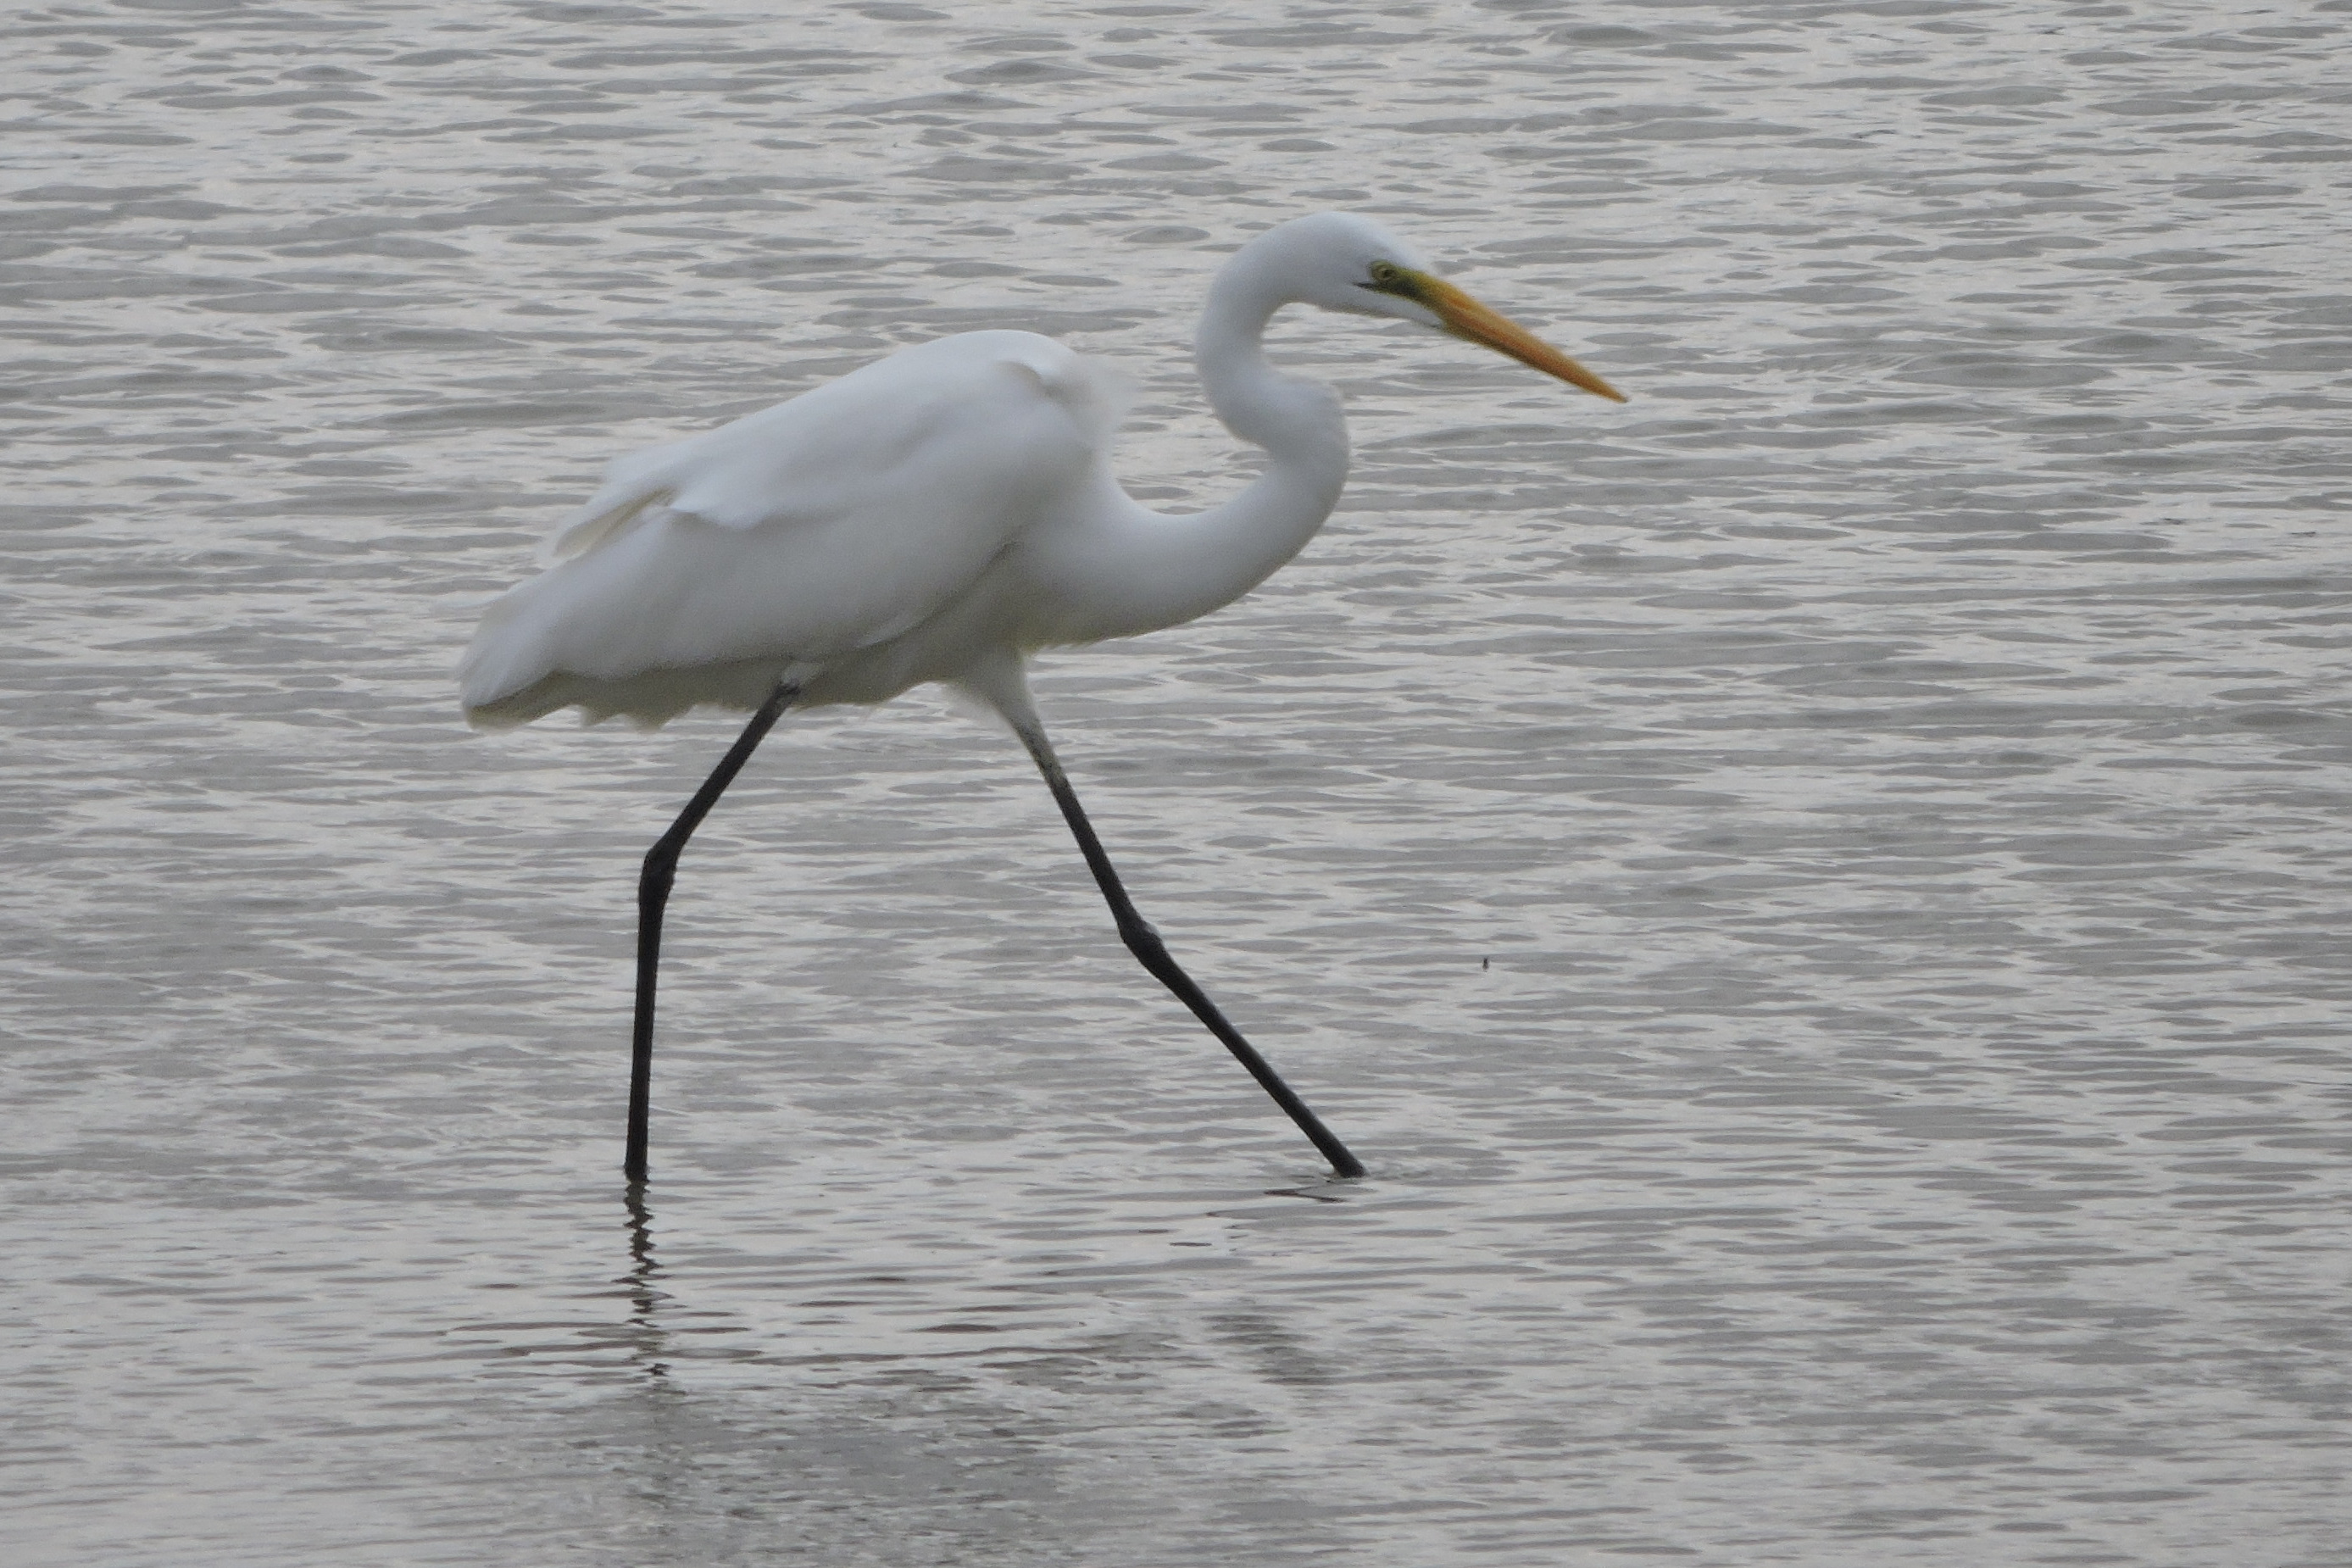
x=653, y=895
x=1144, y=941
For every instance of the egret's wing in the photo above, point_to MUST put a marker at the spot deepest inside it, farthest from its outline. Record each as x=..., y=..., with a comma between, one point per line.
x=633, y=481
x=824, y=524
x=825, y=452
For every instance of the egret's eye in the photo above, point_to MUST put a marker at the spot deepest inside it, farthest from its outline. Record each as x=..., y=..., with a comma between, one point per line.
x=1386, y=276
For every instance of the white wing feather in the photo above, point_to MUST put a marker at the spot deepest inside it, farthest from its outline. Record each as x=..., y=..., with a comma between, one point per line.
x=831, y=523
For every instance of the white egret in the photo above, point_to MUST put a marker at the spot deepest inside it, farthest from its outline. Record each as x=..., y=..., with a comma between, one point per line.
x=936, y=516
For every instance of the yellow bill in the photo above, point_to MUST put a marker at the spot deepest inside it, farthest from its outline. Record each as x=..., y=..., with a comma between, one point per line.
x=1466, y=318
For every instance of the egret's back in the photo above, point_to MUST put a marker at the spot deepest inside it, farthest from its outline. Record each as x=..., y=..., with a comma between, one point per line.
x=703, y=570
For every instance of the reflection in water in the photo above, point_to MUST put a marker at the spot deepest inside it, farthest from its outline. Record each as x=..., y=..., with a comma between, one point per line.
x=648, y=1345
x=1329, y=1193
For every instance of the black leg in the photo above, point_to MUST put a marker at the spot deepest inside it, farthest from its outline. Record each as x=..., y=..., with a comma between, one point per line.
x=1144, y=942
x=652, y=894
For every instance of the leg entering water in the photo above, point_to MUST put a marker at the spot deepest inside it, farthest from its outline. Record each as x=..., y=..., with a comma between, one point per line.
x=1144, y=941
x=653, y=895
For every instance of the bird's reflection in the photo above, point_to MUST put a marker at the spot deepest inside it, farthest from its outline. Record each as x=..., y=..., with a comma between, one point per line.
x=1321, y=1193
x=648, y=1341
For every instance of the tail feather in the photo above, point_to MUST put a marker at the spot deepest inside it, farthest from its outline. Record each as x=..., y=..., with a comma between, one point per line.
x=647, y=699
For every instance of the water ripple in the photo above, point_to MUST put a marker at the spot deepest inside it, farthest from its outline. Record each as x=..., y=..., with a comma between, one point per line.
x=1819, y=892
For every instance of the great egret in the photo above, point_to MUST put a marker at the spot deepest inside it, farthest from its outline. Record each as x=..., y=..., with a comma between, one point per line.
x=935, y=517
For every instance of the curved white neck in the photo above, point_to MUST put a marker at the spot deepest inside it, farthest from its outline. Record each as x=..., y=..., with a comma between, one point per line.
x=1147, y=570
x=1298, y=422
x=1126, y=570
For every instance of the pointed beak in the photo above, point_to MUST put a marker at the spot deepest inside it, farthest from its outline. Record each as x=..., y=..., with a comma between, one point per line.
x=1466, y=318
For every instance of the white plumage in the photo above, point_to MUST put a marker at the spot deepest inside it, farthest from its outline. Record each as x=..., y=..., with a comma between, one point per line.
x=944, y=509
x=800, y=535
x=934, y=517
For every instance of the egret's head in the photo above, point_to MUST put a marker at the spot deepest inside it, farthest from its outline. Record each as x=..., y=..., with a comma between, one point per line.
x=1343, y=262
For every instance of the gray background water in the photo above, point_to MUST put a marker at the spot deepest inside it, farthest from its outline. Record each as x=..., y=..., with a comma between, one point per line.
x=1820, y=893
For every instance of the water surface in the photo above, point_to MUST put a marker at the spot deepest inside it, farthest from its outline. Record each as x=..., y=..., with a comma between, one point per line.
x=1819, y=894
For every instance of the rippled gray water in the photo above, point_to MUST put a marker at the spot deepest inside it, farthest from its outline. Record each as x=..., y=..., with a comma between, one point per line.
x=1820, y=894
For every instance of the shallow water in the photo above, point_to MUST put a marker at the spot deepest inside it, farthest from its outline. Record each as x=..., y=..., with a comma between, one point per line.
x=1819, y=894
